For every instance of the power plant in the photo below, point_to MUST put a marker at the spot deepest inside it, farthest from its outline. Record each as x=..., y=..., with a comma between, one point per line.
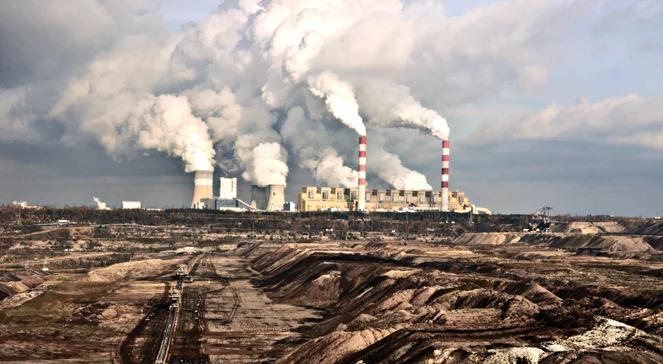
x=203, y=187
x=312, y=198
x=271, y=198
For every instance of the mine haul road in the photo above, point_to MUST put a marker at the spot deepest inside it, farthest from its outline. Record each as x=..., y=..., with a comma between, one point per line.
x=177, y=297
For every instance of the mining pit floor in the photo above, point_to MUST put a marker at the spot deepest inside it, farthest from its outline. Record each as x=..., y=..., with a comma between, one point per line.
x=498, y=297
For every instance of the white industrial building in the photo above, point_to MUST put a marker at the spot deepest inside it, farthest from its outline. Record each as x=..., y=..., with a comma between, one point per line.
x=228, y=188
x=227, y=199
x=131, y=205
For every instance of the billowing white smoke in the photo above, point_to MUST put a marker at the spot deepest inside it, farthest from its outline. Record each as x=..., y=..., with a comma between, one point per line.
x=387, y=103
x=113, y=102
x=264, y=164
x=312, y=146
x=227, y=84
x=330, y=169
x=165, y=123
x=220, y=109
x=248, y=128
x=391, y=170
x=339, y=98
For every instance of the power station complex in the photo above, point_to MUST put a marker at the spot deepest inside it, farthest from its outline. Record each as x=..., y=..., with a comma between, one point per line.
x=312, y=198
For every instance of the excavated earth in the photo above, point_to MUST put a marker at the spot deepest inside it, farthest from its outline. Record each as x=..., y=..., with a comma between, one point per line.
x=414, y=302
x=577, y=292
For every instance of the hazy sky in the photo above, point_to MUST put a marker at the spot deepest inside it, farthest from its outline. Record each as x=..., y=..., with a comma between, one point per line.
x=549, y=102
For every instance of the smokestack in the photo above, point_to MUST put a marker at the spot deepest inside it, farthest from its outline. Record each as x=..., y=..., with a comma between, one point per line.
x=202, y=187
x=361, y=190
x=445, y=176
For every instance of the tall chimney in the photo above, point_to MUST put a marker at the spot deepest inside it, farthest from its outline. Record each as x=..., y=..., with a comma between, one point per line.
x=361, y=190
x=202, y=187
x=444, y=197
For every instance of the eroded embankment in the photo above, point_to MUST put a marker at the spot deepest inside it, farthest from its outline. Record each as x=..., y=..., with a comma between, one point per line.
x=388, y=309
x=596, y=244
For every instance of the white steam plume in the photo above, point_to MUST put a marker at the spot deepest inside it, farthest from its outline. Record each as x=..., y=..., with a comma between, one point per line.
x=165, y=124
x=248, y=128
x=312, y=146
x=339, y=98
x=251, y=62
x=389, y=104
x=264, y=164
x=391, y=170
x=330, y=168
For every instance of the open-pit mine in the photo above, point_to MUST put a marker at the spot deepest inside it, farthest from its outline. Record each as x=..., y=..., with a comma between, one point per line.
x=85, y=286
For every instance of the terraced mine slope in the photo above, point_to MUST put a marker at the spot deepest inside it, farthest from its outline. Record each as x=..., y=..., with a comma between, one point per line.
x=330, y=289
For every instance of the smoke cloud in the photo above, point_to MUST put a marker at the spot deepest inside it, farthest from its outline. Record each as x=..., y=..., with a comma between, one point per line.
x=165, y=124
x=264, y=163
x=392, y=171
x=312, y=144
x=391, y=105
x=339, y=98
x=254, y=80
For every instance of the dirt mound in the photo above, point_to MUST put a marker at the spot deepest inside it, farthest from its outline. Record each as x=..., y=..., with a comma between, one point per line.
x=608, y=341
x=134, y=269
x=644, y=227
x=587, y=227
x=586, y=243
x=603, y=243
x=336, y=345
x=487, y=239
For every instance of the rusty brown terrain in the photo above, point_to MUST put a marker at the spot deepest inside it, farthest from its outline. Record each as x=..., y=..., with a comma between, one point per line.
x=330, y=288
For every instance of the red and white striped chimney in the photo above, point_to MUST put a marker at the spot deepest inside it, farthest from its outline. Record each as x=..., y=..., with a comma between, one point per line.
x=361, y=187
x=444, y=206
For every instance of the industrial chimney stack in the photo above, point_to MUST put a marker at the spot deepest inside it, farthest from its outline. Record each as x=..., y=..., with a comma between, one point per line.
x=361, y=188
x=444, y=206
x=202, y=187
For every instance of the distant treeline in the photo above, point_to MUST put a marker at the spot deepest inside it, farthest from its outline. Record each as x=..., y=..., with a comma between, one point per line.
x=419, y=222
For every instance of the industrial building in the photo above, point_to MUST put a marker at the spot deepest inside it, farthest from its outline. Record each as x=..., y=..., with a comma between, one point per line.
x=313, y=198
x=268, y=198
x=359, y=198
x=131, y=205
x=227, y=200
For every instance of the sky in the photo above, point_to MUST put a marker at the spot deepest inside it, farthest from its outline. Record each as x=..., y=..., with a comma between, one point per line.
x=549, y=103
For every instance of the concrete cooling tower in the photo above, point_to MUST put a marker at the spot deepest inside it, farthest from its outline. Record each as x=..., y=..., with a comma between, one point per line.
x=276, y=198
x=203, y=184
x=270, y=198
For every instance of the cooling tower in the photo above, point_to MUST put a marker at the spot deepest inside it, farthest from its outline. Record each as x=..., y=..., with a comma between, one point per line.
x=202, y=187
x=259, y=197
x=276, y=198
x=270, y=198
x=444, y=197
x=361, y=188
